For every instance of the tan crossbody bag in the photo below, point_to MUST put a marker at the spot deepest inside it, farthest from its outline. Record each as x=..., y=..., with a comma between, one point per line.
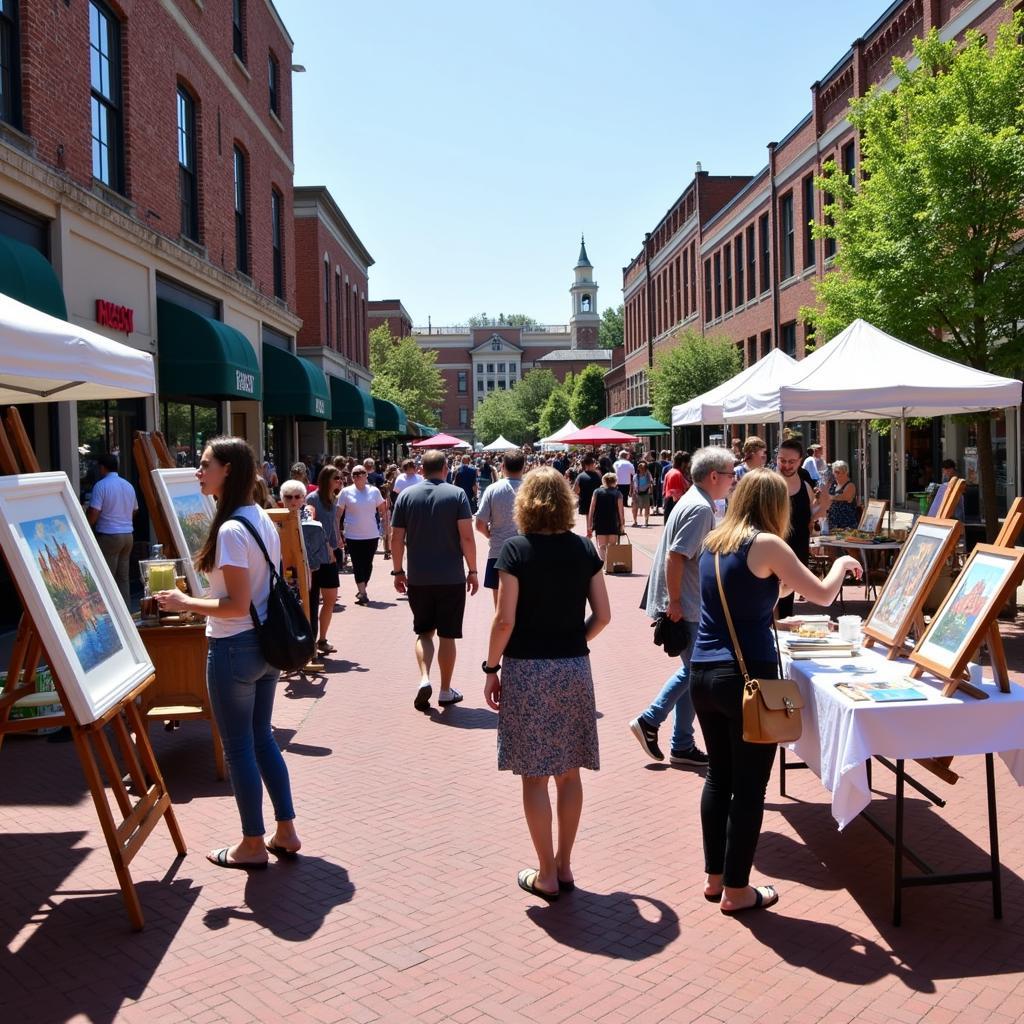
x=771, y=707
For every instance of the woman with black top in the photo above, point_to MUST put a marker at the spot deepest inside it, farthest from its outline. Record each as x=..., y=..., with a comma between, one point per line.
x=606, y=518
x=803, y=509
x=756, y=565
x=326, y=511
x=545, y=695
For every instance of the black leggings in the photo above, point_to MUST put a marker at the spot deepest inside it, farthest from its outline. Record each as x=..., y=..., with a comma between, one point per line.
x=785, y=606
x=361, y=552
x=732, y=804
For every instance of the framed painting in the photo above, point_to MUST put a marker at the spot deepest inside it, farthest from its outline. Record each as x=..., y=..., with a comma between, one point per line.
x=871, y=517
x=899, y=605
x=189, y=514
x=93, y=648
x=969, y=610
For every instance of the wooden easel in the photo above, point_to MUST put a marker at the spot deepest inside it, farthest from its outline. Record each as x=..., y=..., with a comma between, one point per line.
x=293, y=550
x=139, y=817
x=151, y=452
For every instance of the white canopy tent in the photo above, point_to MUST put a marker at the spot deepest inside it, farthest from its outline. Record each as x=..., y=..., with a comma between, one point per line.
x=45, y=359
x=554, y=442
x=500, y=444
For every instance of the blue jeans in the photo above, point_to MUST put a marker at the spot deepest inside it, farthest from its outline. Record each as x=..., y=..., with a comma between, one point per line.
x=241, y=686
x=676, y=694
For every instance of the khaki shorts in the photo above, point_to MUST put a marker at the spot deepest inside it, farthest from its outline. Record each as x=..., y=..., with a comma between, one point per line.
x=642, y=500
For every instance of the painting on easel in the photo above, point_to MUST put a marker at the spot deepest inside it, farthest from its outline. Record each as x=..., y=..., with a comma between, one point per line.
x=64, y=582
x=189, y=515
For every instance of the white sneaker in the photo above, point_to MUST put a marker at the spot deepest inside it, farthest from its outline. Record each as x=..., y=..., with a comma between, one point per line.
x=446, y=697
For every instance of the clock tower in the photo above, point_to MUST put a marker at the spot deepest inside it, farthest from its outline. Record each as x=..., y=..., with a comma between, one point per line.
x=585, y=319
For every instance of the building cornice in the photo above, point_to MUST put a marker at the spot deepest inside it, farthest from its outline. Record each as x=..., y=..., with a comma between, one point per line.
x=317, y=201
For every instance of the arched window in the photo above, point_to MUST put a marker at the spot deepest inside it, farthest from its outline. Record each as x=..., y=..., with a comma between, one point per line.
x=585, y=304
x=496, y=344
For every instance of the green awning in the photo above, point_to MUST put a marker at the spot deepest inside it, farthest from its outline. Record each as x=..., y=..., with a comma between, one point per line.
x=422, y=430
x=390, y=417
x=351, y=407
x=294, y=386
x=638, y=426
x=28, y=276
x=199, y=356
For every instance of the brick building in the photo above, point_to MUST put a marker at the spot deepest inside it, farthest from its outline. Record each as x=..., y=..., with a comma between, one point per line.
x=392, y=313
x=476, y=361
x=735, y=255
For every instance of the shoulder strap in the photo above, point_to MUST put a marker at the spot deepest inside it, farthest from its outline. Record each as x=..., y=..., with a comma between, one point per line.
x=259, y=541
x=728, y=621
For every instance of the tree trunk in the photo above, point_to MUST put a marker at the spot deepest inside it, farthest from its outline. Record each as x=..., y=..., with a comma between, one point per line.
x=987, y=478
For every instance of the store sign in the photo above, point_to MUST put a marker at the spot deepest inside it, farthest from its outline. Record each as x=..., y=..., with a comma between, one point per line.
x=118, y=318
x=319, y=405
x=245, y=382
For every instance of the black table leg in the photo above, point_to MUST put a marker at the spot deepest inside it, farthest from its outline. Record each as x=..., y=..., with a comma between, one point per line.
x=782, y=771
x=897, y=849
x=993, y=838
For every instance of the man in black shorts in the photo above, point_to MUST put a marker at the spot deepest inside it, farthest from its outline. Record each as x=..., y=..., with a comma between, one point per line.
x=435, y=523
x=586, y=483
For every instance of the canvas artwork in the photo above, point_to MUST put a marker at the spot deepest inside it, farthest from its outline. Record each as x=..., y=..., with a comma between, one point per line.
x=189, y=514
x=972, y=594
x=871, y=520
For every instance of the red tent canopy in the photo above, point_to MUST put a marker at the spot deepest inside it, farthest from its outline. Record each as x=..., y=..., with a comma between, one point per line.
x=437, y=441
x=599, y=435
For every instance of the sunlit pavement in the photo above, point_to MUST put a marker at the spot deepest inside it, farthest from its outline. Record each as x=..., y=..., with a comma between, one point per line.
x=404, y=905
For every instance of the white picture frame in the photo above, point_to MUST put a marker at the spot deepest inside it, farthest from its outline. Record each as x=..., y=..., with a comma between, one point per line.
x=92, y=645
x=186, y=510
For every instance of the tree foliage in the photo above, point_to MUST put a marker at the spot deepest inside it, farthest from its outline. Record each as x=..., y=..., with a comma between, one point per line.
x=588, y=399
x=697, y=363
x=500, y=413
x=503, y=320
x=558, y=407
x=406, y=374
x=929, y=241
x=530, y=394
x=611, y=332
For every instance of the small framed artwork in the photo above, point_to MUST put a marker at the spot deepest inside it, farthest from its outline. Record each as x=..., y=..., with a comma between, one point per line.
x=969, y=610
x=920, y=561
x=94, y=650
x=189, y=514
x=871, y=517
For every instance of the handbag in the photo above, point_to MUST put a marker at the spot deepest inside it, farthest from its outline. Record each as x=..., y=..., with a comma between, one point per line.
x=618, y=556
x=771, y=707
x=286, y=638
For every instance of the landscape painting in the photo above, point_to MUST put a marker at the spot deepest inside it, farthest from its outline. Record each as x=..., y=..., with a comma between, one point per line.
x=189, y=514
x=972, y=594
x=194, y=516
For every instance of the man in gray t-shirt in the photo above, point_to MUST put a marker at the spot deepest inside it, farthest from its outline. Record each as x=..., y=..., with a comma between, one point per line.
x=494, y=518
x=674, y=589
x=434, y=521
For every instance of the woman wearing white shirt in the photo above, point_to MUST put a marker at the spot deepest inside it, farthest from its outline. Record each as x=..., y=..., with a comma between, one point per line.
x=360, y=503
x=240, y=681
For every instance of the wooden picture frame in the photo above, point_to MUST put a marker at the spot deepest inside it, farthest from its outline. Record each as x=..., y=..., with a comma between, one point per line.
x=871, y=517
x=899, y=607
x=189, y=514
x=67, y=589
x=968, y=616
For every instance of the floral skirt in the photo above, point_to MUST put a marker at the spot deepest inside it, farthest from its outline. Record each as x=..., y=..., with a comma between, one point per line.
x=548, y=720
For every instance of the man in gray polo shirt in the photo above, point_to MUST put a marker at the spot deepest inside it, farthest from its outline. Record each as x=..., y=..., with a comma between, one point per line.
x=434, y=521
x=674, y=588
x=494, y=516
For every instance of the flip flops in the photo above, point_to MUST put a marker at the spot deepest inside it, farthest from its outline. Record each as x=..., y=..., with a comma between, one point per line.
x=281, y=851
x=527, y=880
x=713, y=897
x=765, y=896
x=220, y=858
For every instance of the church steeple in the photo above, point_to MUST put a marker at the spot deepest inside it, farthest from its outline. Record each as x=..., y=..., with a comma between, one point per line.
x=583, y=261
x=585, y=320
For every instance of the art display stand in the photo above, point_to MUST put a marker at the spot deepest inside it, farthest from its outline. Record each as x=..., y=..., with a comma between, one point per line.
x=127, y=827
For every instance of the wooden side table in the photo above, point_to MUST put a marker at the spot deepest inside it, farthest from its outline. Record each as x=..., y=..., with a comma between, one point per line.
x=179, y=691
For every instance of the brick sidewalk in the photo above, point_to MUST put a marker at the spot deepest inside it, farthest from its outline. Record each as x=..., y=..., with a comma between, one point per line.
x=404, y=906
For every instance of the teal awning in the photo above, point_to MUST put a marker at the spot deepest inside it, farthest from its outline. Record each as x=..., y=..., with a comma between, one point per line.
x=199, y=356
x=293, y=386
x=28, y=276
x=638, y=426
x=390, y=417
x=351, y=407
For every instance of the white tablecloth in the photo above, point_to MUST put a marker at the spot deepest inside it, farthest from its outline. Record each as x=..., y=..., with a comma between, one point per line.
x=839, y=734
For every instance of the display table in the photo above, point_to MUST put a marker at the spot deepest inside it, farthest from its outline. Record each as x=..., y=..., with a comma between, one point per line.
x=857, y=548
x=841, y=735
x=179, y=691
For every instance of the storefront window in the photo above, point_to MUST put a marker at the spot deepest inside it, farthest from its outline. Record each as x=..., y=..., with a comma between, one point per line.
x=106, y=427
x=187, y=426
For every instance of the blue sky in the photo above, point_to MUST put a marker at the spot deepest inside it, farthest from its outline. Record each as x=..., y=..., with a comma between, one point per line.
x=470, y=143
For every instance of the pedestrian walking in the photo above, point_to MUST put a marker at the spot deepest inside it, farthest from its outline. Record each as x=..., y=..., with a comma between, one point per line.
x=544, y=694
x=495, y=517
x=361, y=503
x=240, y=681
x=606, y=519
x=323, y=504
x=756, y=565
x=675, y=483
x=625, y=471
x=587, y=481
x=643, y=490
x=407, y=478
x=434, y=521
x=111, y=513
x=466, y=478
x=673, y=589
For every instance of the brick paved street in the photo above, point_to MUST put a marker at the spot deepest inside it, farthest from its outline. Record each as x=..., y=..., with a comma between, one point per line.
x=404, y=906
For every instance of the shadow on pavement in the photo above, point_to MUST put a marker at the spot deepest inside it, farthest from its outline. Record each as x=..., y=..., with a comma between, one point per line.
x=41, y=774
x=465, y=718
x=291, y=899
x=608, y=924
x=306, y=750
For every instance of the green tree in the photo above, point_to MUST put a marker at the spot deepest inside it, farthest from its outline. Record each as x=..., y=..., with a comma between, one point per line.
x=929, y=241
x=500, y=413
x=406, y=374
x=558, y=407
x=503, y=320
x=696, y=364
x=610, y=333
x=530, y=393
x=588, y=398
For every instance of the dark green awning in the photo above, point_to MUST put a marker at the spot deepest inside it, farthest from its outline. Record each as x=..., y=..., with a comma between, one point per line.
x=390, y=417
x=27, y=275
x=203, y=357
x=294, y=387
x=351, y=407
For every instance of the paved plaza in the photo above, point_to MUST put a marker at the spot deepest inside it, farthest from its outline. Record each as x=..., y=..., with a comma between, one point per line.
x=404, y=905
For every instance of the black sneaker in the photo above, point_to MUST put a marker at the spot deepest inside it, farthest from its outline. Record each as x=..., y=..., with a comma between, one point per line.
x=694, y=756
x=423, y=694
x=647, y=736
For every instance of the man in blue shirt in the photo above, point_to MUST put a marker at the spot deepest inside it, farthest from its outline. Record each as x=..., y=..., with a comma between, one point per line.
x=112, y=507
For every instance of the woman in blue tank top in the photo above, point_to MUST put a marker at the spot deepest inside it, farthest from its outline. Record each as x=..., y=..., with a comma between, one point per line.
x=757, y=567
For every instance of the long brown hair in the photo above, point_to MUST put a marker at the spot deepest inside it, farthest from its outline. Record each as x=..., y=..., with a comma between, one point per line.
x=760, y=503
x=323, y=484
x=236, y=492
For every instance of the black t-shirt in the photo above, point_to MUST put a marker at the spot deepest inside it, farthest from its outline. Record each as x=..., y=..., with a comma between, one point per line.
x=605, y=463
x=375, y=479
x=588, y=482
x=554, y=573
x=561, y=465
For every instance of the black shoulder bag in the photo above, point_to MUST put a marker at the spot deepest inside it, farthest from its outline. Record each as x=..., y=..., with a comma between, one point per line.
x=286, y=638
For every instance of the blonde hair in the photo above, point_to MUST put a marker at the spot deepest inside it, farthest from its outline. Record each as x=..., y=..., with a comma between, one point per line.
x=609, y=479
x=544, y=503
x=760, y=503
x=753, y=444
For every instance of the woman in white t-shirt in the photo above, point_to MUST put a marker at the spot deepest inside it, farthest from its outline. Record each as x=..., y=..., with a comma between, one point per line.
x=240, y=682
x=360, y=505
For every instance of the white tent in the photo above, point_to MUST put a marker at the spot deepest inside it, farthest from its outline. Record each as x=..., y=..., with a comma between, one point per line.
x=499, y=444
x=46, y=359
x=554, y=442
x=768, y=372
